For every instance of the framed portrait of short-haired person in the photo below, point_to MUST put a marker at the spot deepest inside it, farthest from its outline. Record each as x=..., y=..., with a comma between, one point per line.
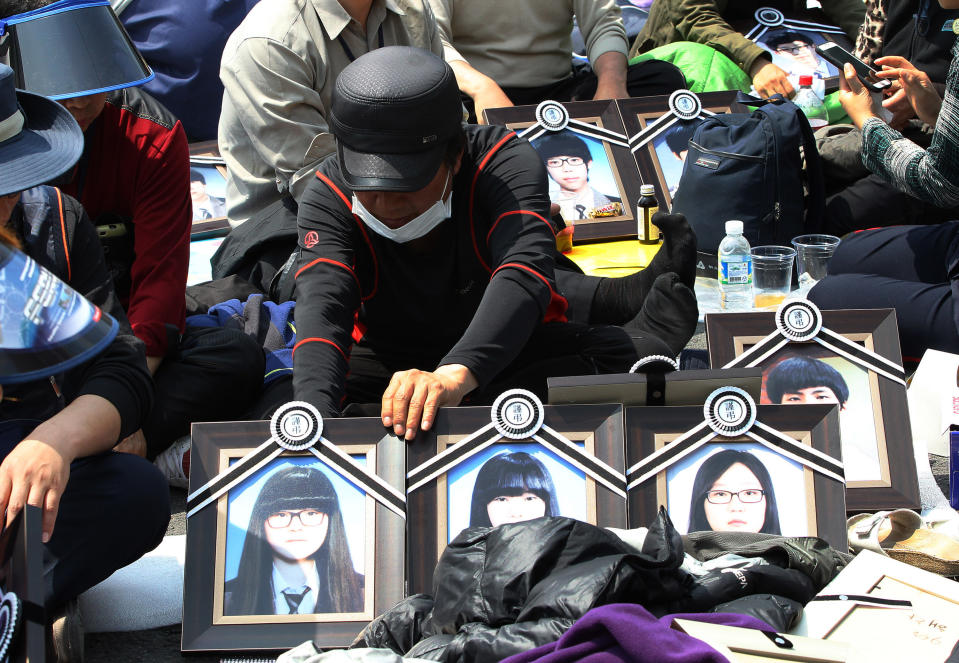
x=590, y=173
x=295, y=531
x=516, y=461
x=791, y=42
x=659, y=129
x=849, y=358
x=732, y=465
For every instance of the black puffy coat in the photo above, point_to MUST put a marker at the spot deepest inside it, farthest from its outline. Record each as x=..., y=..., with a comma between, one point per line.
x=500, y=591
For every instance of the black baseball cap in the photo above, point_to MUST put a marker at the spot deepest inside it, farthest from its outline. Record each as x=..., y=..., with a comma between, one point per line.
x=394, y=109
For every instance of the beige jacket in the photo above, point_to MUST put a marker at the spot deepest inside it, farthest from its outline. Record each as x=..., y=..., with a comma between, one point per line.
x=526, y=43
x=278, y=70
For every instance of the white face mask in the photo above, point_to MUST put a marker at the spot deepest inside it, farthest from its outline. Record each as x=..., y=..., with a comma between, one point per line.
x=414, y=228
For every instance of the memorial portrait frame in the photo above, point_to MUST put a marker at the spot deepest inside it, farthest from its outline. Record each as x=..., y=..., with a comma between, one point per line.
x=650, y=430
x=729, y=335
x=205, y=157
x=21, y=573
x=599, y=120
x=216, y=448
x=649, y=119
x=769, y=19
x=598, y=427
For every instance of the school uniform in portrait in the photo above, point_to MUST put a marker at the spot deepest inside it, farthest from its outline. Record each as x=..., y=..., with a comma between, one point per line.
x=295, y=557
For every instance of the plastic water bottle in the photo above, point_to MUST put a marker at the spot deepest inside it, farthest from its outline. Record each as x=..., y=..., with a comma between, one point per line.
x=735, y=270
x=810, y=103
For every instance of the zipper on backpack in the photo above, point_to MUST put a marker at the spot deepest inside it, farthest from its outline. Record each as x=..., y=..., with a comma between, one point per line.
x=731, y=155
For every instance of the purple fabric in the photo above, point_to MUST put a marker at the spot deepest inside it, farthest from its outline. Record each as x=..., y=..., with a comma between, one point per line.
x=628, y=633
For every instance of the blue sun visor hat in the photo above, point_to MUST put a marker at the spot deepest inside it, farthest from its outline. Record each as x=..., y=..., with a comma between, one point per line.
x=45, y=326
x=71, y=48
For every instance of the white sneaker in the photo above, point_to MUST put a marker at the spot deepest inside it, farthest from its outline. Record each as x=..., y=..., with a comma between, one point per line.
x=174, y=463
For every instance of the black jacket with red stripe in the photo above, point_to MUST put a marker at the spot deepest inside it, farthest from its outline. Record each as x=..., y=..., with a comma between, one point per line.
x=57, y=234
x=470, y=292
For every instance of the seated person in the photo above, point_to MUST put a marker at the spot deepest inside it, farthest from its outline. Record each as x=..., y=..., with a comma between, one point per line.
x=56, y=433
x=568, y=162
x=434, y=239
x=133, y=180
x=891, y=35
x=708, y=22
x=278, y=70
x=909, y=268
x=518, y=53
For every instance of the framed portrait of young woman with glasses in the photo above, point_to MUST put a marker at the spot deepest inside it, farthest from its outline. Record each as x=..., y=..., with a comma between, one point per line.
x=291, y=541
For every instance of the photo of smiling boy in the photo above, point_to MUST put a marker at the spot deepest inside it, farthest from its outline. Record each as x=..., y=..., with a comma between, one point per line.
x=574, y=172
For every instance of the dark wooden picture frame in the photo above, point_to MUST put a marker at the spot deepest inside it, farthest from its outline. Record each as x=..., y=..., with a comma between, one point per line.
x=728, y=335
x=598, y=427
x=649, y=429
x=216, y=447
x=21, y=572
x=580, y=118
x=650, y=122
x=675, y=388
x=770, y=23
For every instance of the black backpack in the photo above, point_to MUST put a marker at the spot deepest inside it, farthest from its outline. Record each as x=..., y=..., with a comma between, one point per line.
x=748, y=166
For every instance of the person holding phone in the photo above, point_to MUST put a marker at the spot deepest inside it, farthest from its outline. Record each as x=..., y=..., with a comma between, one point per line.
x=909, y=268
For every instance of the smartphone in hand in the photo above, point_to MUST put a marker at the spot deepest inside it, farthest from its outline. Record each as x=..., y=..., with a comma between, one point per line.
x=838, y=56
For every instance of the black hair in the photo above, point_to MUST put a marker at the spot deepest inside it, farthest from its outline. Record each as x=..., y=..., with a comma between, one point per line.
x=563, y=145
x=794, y=373
x=677, y=138
x=196, y=176
x=511, y=473
x=777, y=37
x=711, y=470
x=297, y=487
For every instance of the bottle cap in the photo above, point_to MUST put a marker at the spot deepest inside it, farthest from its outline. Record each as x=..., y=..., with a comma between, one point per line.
x=647, y=190
x=805, y=79
x=734, y=227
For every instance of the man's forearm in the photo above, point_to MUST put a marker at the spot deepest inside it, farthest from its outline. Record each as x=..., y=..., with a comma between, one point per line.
x=87, y=426
x=610, y=70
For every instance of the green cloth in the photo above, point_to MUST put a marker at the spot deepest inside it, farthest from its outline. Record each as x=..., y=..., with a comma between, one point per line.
x=708, y=70
x=705, y=68
x=704, y=22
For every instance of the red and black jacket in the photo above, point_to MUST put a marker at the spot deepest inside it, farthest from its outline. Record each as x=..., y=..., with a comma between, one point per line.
x=471, y=292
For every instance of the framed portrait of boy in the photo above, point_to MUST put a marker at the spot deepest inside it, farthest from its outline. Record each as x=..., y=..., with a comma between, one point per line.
x=208, y=191
x=659, y=129
x=295, y=531
x=483, y=467
x=776, y=472
x=590, y=173
x=791, y=43
x=849, y=358
x=22, y=623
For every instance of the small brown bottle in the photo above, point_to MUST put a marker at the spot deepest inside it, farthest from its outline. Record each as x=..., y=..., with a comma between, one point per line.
x=646, y=207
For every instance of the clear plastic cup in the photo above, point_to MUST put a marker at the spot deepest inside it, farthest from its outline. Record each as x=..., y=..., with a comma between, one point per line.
x=812, y=255
x=772, y=274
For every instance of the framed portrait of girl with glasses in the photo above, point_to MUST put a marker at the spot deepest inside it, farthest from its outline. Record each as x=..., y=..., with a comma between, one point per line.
x=291, y=541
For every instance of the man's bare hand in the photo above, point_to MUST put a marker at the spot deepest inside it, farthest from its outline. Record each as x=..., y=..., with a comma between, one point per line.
x=413, y=397
x=33, y=473
x=769, y=79
x=135, y=444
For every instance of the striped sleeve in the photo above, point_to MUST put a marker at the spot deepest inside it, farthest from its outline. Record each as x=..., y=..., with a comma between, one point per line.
x=930, y=175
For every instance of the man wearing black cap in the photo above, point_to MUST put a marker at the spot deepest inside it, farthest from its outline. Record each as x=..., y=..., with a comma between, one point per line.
x=101, y=510
x=434, y=239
